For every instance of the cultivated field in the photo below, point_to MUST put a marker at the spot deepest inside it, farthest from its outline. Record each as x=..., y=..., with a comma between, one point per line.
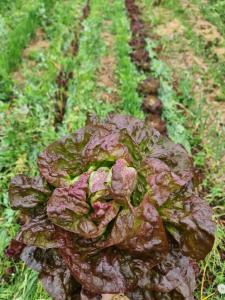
x=61, y=60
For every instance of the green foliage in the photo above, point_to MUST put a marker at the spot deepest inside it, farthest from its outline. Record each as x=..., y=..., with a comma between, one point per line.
x=214, y=12
x=127, y=75
x=16, y=30
x=174, y=119
x=81, y=94
x=8, y=6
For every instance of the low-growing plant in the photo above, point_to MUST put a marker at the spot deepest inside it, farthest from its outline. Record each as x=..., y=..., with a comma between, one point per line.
x=115, y=209
x=127, y=75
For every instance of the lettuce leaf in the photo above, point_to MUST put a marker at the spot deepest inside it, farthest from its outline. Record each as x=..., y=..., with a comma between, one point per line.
x=115, y=209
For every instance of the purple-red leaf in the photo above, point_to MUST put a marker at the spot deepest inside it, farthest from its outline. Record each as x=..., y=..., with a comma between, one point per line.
x=54, y=275
x=124, y=179
x=69, y=209
x=14, y=249
x=27, y=193
x=190, y=223
x=117, y=210
x=39, y=232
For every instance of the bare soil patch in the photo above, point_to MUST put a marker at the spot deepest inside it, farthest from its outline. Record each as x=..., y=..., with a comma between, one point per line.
x=106, y=72
x=173, y=27
x=180, y=58
x=38, y=44
x=114, y=297
x=205, y=29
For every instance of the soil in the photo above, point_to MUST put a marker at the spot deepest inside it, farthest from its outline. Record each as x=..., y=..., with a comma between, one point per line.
x=38, y=44
x=106, y=72
x=173, y=27
x=120, y=297
x=220, y=52
x=205, y=30
x=114, y=297
x=180, y=58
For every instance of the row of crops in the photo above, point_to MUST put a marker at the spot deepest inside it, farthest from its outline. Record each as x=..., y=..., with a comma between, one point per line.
x=47, y=92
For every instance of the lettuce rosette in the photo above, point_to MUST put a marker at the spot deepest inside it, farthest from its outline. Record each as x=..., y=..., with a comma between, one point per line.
x=114, y=210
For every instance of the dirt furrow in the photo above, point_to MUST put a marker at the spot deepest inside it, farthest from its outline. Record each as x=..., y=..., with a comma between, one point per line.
x=38, y=44
x=107, y=82
x=148, y=89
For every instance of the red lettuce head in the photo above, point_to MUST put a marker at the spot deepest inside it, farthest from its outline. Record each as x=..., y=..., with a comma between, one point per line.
x=114, y=210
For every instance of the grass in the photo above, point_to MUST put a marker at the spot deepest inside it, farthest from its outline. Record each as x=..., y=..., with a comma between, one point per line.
x=17, y=28
x=214, y=12
x=21, y=28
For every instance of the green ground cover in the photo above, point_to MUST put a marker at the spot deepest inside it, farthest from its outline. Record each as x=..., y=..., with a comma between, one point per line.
x=214, y=12
x=18, y=24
